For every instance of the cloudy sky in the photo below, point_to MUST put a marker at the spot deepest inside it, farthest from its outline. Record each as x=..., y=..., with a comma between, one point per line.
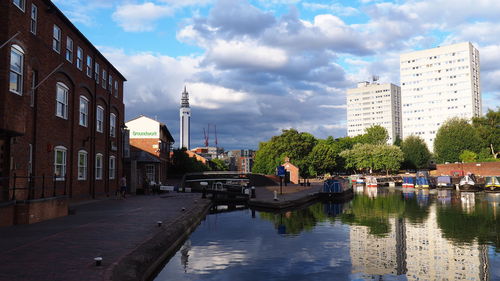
x=255, y=67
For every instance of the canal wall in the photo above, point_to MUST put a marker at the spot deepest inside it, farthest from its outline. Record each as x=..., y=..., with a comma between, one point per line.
x=477, y=168
x=144, y=262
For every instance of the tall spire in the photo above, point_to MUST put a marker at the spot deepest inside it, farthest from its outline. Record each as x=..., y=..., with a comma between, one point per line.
x=185, y=98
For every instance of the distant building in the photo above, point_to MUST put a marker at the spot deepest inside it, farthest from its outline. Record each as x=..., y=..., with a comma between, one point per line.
x=210, y=152
x=185, y=121
x=292, y=172
x=152, y=137
x=374, y=104
x=61, y=114
x=438, y=84
x=241, y=160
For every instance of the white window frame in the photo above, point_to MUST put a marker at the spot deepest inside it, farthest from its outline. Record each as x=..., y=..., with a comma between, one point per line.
x=97, y=69
x=69, y=49
x=100, y=119
x=112, y=167
x=84, y=111
x=82, y=164
x=110, y=83
x=34, y=18
x=79, y=58
x=20, y=4
x=112, y=125
x=89, y=66
x=56, y=39
x=64, y=153
x=17, y=73
x=98, y=166
x=62, y=102
x=150, y=172
x=104, y=79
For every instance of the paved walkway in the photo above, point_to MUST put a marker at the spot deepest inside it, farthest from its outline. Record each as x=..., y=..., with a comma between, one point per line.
x=64, y=248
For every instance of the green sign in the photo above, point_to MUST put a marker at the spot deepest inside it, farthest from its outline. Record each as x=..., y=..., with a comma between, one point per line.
x=145, y=134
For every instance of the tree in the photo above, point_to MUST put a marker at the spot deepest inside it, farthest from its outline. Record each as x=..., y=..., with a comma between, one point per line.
x=468, y=156
x=398, y=141
x=291, y=144
x=376, y=134
x=488, y=128
x=182, y=163
x=219, y=165
x=453, y=137
x=387, y=157
x=416, y=153
x=325, y=156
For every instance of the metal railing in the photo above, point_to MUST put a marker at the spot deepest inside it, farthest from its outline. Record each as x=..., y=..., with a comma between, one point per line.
x=32, y=187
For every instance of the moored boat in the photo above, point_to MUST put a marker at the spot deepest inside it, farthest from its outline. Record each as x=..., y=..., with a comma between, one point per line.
x=444, y=182
x=468, y=183
x=371, y=181
x=492, y=184
x=422, y=180
x=408, y=182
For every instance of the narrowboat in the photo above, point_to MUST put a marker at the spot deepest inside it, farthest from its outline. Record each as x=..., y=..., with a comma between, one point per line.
x=408, y=182
x=371, y=182
x=468, y=183
x=422, y=180
x=492, y=184
x=444, y=182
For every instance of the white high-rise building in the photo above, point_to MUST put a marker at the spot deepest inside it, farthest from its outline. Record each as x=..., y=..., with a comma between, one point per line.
x=185, y=119
x=438, y=84
x=374, y=104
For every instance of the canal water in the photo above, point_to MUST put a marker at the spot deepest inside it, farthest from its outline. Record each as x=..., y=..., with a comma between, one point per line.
x=382, y=234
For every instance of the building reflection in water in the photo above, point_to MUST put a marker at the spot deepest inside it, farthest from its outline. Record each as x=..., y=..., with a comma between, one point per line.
x=418, y=250
x=468, y=200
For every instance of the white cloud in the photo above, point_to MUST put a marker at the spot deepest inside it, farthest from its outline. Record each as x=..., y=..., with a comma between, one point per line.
x=140, y=17
x=335, y=8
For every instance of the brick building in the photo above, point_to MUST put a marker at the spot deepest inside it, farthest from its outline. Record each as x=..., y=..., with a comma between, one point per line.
x=61, y=110
x=150, y=146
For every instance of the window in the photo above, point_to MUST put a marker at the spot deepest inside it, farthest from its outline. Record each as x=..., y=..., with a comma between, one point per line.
x=150, y=172
x=82, y=165
x=96, y=72
x=112, y=167
x=16, y=70
x=34, y=18
x=84, y=111
x=98, y=166
x=110, y=81
x=116, y=88
x=60, y=162
x=69, y=49
x=62, y=101
x=79, y=58
x=89, y=66
x=104, y=79
x=112, y=124
x=19, y=4
x=100, y=119
x=56, y=39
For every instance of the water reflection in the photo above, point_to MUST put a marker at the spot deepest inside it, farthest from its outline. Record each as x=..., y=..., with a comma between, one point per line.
x=382, y=234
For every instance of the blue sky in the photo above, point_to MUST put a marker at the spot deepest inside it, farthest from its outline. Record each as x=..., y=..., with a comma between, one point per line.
x=255, y=67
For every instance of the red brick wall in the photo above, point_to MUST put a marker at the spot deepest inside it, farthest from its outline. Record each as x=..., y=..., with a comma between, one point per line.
x=40, y=210
x=479, y=169
x=39, y=125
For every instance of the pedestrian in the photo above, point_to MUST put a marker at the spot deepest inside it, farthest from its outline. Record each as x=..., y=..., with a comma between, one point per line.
x=123, y=186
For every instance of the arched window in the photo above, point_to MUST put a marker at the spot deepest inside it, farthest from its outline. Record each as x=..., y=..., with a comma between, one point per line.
x=98, y=166
x=60, y=156
x=82, y=164
x=16, y=69
x=62, y=100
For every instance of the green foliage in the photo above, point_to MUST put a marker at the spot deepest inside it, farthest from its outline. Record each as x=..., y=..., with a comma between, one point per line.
x=488, y=128
x=398, y=141
x=291, y=144
x=376, y=134
x=219, y=165
x=373, y=157
x=453, y=137
x=468, y=156
x=182, y=163
x=416, y=153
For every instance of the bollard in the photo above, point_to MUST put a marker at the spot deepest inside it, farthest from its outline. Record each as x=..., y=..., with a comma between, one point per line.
x=98, y=261
x=204, y=193
x=253, y=214
x=275, y=195
x=159, y=223
x=253, y=192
